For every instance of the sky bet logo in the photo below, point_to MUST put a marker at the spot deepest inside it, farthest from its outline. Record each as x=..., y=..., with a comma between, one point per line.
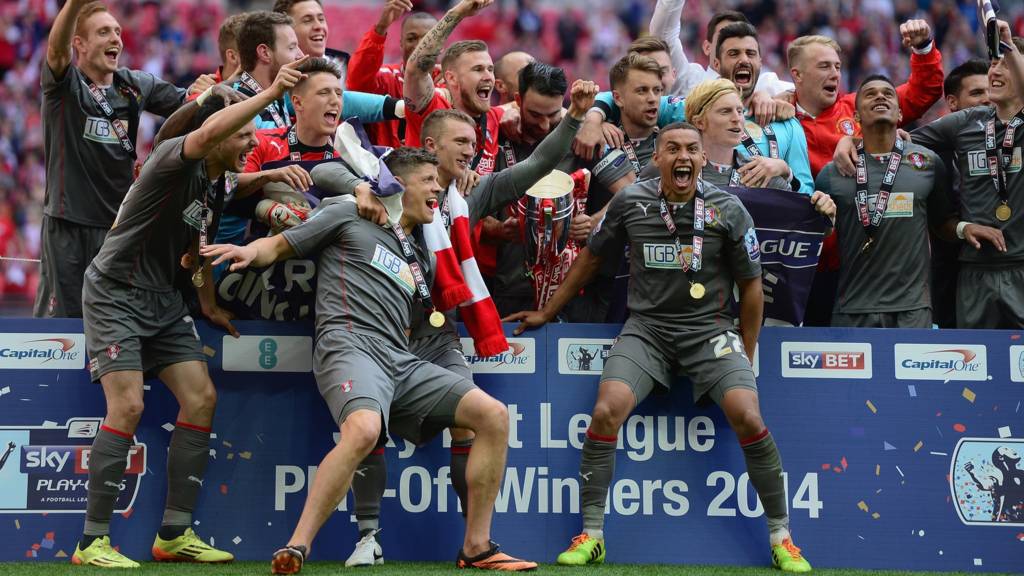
x=65, y=460
x=826, y=360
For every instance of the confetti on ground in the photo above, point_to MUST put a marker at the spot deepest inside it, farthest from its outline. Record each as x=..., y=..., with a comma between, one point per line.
x=1004, y=432
x=5, y=390
x=879, y=491
x=875, y=515
x=878, y=469
x=196, y=522
x=826, y=466
x=1018, y=407
x=887, y=446
x=223, y=488
x=227, y=444
x=147, y=387
x=269, y=524
x=977, y=561
x=862, y=505
x=940, y=552
x=969, y=395
x=900, y=471
x=913, y=390
x=231, y=455
x=959, y=428
x=237, y=540
x=843, y=462
x=245, y=455
x=939, y=431
x=17, y=524
x=168, y=426
x=872, y=407
x=918, y=445
x=859, y=536
x=212, y=543
x=60, y=554
x=209, y=351
x=938, y=453
x=837, y=469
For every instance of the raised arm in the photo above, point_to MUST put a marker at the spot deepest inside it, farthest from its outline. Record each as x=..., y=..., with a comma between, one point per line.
x=179, y=122
x=924, y=86
x=419, y=83
x=369, y=55
x=665, y=24
x=199, y=143
x=58, y=45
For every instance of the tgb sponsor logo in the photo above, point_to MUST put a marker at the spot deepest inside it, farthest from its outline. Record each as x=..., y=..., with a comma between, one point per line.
x=583, y=355
x=45, y=469
x=1017, y=363
x=986, y=479
x=520, y=358
x=42, y=351
x=941, y=362
x=826, y=360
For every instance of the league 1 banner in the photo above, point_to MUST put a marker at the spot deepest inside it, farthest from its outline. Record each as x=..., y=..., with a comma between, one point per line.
x=895, y=454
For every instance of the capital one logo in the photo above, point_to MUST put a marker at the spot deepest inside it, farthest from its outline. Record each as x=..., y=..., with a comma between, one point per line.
x=519, y=358
x=941, y=362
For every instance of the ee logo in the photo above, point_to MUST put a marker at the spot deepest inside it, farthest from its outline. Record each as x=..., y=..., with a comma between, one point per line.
x=268, y=356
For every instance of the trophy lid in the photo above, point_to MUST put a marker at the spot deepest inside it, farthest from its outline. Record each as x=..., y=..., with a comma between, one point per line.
x=554, y=185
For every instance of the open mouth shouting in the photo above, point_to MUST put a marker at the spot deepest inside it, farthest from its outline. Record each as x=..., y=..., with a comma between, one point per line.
x=331, y=117
x=830, y=89
x=682, y=176
x=743, y=76
x=111, y=55
x=483, y=93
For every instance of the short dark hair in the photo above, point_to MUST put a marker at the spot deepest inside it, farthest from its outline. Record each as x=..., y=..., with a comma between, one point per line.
x=632, y=61
x=723, y=16
x=543, y=79
x=317, y=65
x=648, y=44
x=258, y=28
x=871, y=78
x=955, y=78
x=433, y=124
x=677, y=126
x=227, y=36
x=401, y=161
x=736, y=30
x=413, y=16
x=285, y=6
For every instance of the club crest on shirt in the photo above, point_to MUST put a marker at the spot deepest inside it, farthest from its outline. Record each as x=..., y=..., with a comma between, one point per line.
x=846, y=125
x=753, y=247
x=918, y=160
x=100, y=130
x=756, y=132
x=394, y=267
x=113, y=351
x=711, y=214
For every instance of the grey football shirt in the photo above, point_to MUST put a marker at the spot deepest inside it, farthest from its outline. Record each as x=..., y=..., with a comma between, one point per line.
x=88, y=172
x=894, y=275
x=364, y=283
x=659, y=292
x=613, y=165
x=150, y=234
x=721, y=175
x=963, y=134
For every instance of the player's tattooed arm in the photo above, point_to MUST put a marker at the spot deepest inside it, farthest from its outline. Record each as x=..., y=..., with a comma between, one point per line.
x=419, y=83
x=751, y=312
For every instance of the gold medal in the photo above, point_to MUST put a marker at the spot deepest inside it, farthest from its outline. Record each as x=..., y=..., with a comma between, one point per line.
x=696, y=290
x=867, y=246
x=436, y=319
x=1003, y=212
x=197, y=278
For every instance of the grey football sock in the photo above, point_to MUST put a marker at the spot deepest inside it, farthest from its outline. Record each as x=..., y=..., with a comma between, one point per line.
x=459, y=458
x=187, y=458
x=764, y=466
x=597, y=467
x=107, y=462
x=368, y=484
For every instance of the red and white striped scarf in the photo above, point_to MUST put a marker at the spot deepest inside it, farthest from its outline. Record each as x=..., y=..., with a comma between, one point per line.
x=457, y=278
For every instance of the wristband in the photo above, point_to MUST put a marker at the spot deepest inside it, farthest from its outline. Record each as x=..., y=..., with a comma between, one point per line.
x=202, y=97
x=924, y=47
x=960, y=229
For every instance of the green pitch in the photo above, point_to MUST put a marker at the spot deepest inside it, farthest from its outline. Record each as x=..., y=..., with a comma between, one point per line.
x=418, y=569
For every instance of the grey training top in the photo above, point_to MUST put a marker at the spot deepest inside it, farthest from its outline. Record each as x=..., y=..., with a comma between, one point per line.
x=88, y=172
x=659, y=293
x=963, y=134
x=894, y=275
x=150, y=233
x=364, y=283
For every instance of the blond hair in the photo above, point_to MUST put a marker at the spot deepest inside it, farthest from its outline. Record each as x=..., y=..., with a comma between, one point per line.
x=796, y=47
x=705, y=94
x=88, y=11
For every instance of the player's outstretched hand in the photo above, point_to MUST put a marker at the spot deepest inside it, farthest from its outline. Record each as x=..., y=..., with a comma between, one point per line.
x=467, y=182
x=287, y=77
x=915, y=32
x=824, y=205
x=393, y=10
x=201, y=83
x=221, y=317
x=976, y=233
x=468, y=8
x=228, y=94
x=240, y=256
x=528, y=320
x=581, y=98
x=845, y=156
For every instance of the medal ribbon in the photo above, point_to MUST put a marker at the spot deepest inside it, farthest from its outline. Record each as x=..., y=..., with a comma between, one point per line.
x=108, y=111
x=698, y=231
x=224, y=186
x=414, y=267
x=999, y=160
x=255, y=88
x=871, y=219
x=296, y=149
x=627, y=147
x=753, y=150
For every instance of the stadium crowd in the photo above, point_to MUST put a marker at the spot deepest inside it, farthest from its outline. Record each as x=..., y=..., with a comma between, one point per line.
x=477, y=173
